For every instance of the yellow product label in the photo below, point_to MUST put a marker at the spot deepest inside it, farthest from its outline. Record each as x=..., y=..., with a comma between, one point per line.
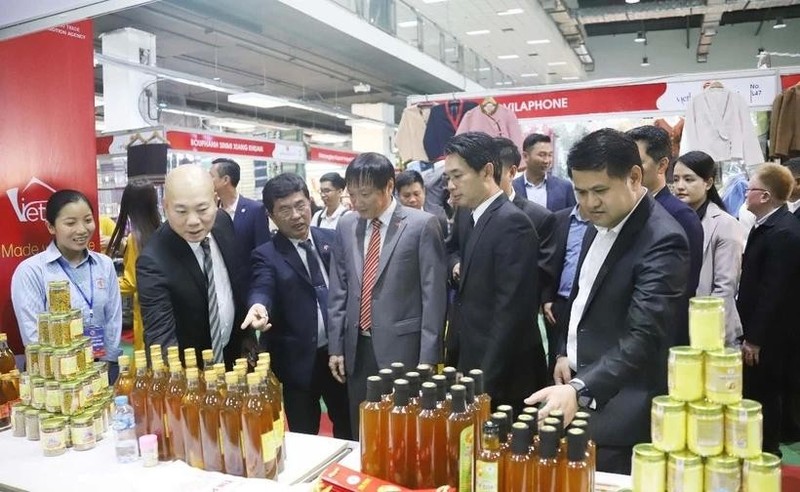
x=486, y=476
x=76, y=328
x=88, y=354
x=83, y=435
x=219, y=440
x=97, y=385
x=69, y=365
x=53, y=440
x=268, y=446
x=279, y=430
x=466, y=453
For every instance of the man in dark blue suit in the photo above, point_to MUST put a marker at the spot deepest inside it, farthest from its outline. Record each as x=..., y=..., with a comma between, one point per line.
x=536, y=184
x=289, y=305
x=655, y=150
x=250, y=223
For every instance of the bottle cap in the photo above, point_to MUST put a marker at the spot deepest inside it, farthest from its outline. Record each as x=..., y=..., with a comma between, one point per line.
x=556, y=424
x=576, y=445
x=401, y=391
x=120, y=400
x=428, y=401
x=387, y=378
x=123, y=360
x=148, y=441
x=450, y=374
x=477, y=376
x=502, y=421
x=374, y=386
x=253, y=379
x=582, y=425
x=469, y=383
x=441, y=386
x=231, y=378
x=425, y=372
x=548, y=442
x=398, y=368
x=520, y=438
x=413, y=383
x=506, y=409
x=583, y=415
x=458, y=395
x=491, y=429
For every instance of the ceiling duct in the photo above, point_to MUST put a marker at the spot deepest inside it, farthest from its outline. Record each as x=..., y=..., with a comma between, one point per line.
x=709, y=28
x=669, y=8
x=571, y=29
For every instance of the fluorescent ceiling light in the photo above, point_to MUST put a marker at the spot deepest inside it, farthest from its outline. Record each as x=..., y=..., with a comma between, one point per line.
x=779, y=24
x=264, y=101
x=498, y=83
x=478, y=32
x=510, y=12
x=508, y=82
x=411, y=23
x=183, y=112
x=528, y=75
x=538, y=41
x=549, y=64
x=449, y=50
x=485, y=69
x=199, y=83
x=631, y=1
x=507, y=57
x=329, y=138
x=232, y=124
x=366, y=124
x=571, y=77
x=98, y=101
x=433, y=1
x=641, y=37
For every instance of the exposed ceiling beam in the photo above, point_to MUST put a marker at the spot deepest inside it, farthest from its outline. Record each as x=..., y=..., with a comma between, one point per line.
x=671, y=8
x=708, y=29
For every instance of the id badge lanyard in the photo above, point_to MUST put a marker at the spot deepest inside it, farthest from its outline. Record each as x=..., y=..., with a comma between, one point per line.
x=90, y=298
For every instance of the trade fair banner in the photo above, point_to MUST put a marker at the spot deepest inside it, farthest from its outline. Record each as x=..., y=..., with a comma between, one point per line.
x=46, y=141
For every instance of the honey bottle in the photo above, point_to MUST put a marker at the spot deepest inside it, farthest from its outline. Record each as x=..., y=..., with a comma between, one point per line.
x=414, y=387
x=190, y=358
x=275, y=385
x=547, y=465
x=500, y=419
x=7, y=361
x=591, y=447
x=270, y=393
x=208, y=359
x=442, y=401
x=230, y=417
x=219, y=369
x=509, y=411
x=372, y=431
x=398, y=369
x=532, y=424
x=176, y=389
x=520, y=469
x=156, y=356
x=209, y=425
x=578, y=472
x=450, y=374
x=431, y=441
x=387, y=386
x=402, y=434
x=425, y=372
x=489, y=465
x=483, y=401
x=260, y=459
x=124, y=383
x=156, y=407
x=460, y=441
x=173, y=351
x=138, y=396
x=190, y=414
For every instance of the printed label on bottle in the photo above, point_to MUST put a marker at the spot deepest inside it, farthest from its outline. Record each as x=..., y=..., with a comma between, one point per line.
x=69, y=365
x=268, y=446
x=486, y=477
x=54, y=440
x=709, y=433
x=465, y=456
x=279, y=430
x=24, y=392
x=83, y=435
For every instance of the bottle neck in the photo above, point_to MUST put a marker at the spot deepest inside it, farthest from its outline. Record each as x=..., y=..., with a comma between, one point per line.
x=253, y=390
x=491, y=442
x=193, y=384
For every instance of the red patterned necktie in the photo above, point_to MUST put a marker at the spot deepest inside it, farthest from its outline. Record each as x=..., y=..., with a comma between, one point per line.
x=370, y=275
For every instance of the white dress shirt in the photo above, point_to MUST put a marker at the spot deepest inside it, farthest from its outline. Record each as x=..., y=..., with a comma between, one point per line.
x=793, y=206
x=595, y=257
x=536, y=193
x=232, y=209
x=322, y=220
x=222, y=284
x=322, y=336
x=480, y=209
x=385, y=218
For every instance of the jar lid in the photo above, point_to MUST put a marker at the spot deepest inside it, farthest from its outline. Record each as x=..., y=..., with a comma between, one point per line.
x=33, y=346
x=723, y=461
x=647, y=452
x=666, y=403
x=706, y=302
x=59, y=317
x=685, y=351
x=82, y=418
x=46, y=349
x=705, y=408
x=51, y=384
x=44, y=415
x=37, y=380
x=71, y=384
x=726, y=354
x=764, y=462
x=747, y=407
x=33, y=412
x=685, y=458
x=53, y=424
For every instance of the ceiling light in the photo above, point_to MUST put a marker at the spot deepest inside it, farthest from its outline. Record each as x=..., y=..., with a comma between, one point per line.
x=631, y=1
x=449, y=50
x=507, y=57
x=556, y=64
x=645, y=62
x=508, y=82
x=498, y=83
x=779, y=24
x=232, y=124
x=484, y=69
x=538, y=41
x=183, y=112
x=510, y=12
x=641, y=37
x=528, y=75
x=411, y=23
x=366, y=124
x=433, y=1
x=571, y=77
x=264, y=101
x=478, y=32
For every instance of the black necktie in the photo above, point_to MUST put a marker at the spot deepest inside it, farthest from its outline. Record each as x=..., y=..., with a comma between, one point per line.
x=317, y=280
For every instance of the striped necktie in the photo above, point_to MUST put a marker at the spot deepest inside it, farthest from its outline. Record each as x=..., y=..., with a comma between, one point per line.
x=213, y=305
x=370, y=276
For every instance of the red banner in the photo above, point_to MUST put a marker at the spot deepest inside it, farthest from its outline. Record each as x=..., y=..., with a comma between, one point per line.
x=47, y=137
x=203, y=142
x=334, y=156
x=789, y=80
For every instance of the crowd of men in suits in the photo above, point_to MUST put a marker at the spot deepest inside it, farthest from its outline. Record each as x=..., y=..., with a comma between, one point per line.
x=609, y=259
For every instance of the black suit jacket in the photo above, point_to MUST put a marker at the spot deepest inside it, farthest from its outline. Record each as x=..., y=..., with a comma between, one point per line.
x=561, y=221
x=625, y=332
x=543, y=221
x=280, y=281
x=441, y=216
x=174, y=298
x=250, y=225
x=768, y=287
x=495, y=317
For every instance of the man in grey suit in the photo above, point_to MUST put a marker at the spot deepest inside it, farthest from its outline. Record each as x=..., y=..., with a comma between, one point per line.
x=387, y=295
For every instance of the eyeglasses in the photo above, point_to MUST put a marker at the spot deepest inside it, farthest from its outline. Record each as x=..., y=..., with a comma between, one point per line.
x=287, y=211
x=748, y=190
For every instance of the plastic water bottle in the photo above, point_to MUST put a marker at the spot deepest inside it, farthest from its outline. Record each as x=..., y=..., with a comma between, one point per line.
x=125, y=444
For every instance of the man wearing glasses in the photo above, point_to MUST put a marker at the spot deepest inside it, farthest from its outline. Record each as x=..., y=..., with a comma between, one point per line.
x=331, y=188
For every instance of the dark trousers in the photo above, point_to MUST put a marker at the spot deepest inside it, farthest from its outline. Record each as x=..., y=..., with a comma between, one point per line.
x=365, y=366
x=614, y=459
x=763, y=384
x=555, y=332
x=303, y=408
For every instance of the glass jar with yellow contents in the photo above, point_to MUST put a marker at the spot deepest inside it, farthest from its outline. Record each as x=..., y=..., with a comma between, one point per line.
x=102, y=368
x=25, y=388
x=70, y=403
x=52, y=396
x=38, y=394
x=75, y=324
x=87, y=389
x=723, y=382
x=668, y=424
x=65, y=364
x=59, y=330
x=649, y=471
x=53, y=437
x=83, y=437
x=743, y=429
x=723, y=474
x=684, y=472
x=705, y=428
x=685, y=373
x=32, y=359
x=707, y=323
x=81, y=356
x=46, y=362
x=762, y=474
x=97, y=382
x=43, y=327
x=59, y=296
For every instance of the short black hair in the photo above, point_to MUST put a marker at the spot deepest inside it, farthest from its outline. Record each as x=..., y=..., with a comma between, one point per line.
x=408, y=178
x=371, y=169
x=507, y=152
x=282, y=186
x=533, y=139
x=228, y=167
x=61, y=199
x=334, y=179
x=604, y=149
x=657, y=140
x=793, y=165
x=477, y=149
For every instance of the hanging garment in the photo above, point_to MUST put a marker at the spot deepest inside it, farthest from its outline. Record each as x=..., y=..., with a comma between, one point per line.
x=718, y=123
x=410, y=133
x=442, y=125
x=501, y=122
x=675, y=133
x=784, y=132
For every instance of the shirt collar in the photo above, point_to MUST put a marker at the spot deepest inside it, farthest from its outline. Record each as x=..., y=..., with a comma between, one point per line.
x=512, y=196
x=577, y=215
x=793, y=206
x=52, y=253
x=234, y=205
x=297, y=242
x=339, y=211
x=196, y=246
x=764, y=218
x=615, y=230
x=386, y=216
x=532, y=185
x=480, y=209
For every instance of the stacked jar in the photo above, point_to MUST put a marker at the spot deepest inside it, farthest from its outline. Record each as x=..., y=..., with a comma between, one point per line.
x=62, y=386
x=704, y=435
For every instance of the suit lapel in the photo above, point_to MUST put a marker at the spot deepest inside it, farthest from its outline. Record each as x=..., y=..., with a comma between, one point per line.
x=475, y=235
x=710, y=225
x=323, y=249
x=358, y=251
x=393, y=233
x=289, y=253
x=185, y=256
x=551, y=192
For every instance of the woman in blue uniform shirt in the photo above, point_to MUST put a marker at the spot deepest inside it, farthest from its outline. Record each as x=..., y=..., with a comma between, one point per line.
x=94, y=288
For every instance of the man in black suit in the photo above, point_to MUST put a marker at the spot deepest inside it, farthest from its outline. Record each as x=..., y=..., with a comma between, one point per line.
x=289, y=304
x=791, y=403
x=624, y=302
x=793, y=165
x=767, y=297
x=411, y=192
x=190, y=276
x=497, y=277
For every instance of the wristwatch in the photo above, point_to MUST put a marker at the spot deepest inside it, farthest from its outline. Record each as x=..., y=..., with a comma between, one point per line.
x=585, y=398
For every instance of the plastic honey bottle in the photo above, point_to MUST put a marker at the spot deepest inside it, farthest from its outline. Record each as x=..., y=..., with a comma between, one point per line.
x=520, y=469
x=400, y=466
x=372, y=431
x=547, y=465
x=489, y=465
x=431, y=441
x=442, y=400
x=176, y=389
x=483, y=401
x=578, y=473
x=270, y=392
x=190, y=414
x=210, y=425
x=156, y=406
x=260, y=458
x=138, y=396
x=230, y=417
x=460, y=441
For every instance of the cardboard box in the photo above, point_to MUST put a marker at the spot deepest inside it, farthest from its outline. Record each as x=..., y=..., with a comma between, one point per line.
x=338, y=478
